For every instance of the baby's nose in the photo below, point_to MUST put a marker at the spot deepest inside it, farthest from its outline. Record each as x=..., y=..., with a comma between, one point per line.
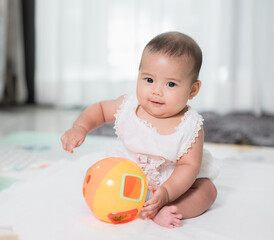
x=157, y=90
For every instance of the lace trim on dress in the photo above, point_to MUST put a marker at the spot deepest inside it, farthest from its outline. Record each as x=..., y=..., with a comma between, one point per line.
x=193, y=137
x=177, y=128
x=184, y=118
x=117, y=116
x=147, y=124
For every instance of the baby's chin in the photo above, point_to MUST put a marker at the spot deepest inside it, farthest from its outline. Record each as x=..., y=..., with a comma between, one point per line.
x=163, y=115
x=159, y=115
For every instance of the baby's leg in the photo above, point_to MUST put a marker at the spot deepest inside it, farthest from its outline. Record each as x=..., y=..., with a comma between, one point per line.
x=194, y=202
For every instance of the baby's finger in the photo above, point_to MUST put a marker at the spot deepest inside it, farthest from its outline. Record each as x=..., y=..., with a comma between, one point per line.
x=63, y=137
x=70, y=147
x=73, y=141
x=65, y=143
x=152, y=188
x=150, y=207
x=149, y=214
x=79, y=143
x=149, y=202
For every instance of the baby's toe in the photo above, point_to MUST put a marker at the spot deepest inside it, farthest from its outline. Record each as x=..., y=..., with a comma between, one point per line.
x=171, y=226
x=176, y=223
x=173, y=209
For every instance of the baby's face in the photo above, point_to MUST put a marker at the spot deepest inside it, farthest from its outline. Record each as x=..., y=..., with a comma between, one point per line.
x=164, y=84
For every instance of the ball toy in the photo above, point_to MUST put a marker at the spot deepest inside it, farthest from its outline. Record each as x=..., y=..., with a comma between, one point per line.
x=115, y=189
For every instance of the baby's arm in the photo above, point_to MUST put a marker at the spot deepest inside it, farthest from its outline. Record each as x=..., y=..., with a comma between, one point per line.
x=182, y=178
x=91, y=118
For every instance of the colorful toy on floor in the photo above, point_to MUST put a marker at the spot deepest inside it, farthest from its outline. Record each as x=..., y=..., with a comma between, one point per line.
x=115, y=190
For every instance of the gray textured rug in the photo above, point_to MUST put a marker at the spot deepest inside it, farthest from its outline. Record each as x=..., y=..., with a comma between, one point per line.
x=242, y=129
x=239, y=129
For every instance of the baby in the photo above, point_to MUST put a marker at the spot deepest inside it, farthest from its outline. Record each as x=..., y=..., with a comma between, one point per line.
x=160, y=131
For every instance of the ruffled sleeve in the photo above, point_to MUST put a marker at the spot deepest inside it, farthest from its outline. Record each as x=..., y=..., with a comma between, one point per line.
x=124, y=113
x=190, y=126
x=118, y=117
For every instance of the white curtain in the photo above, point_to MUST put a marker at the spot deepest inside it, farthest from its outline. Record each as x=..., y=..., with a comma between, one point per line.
x=3, y=19
x=13, y=87
x=89, y=50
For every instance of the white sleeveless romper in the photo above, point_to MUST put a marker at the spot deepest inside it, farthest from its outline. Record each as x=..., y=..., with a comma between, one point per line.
x=157, y=154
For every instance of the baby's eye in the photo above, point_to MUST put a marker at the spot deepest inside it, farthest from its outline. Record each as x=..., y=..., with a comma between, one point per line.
x=149, y=80
x=171, y=84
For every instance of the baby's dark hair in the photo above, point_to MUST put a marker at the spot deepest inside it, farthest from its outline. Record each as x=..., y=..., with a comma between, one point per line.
x=176, y=44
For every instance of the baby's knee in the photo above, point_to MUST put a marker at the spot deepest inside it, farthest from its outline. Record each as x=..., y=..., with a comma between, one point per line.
x=212, y=190
x=209, y=188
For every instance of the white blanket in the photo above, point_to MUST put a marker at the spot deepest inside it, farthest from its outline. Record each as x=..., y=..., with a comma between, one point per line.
x=50, y=205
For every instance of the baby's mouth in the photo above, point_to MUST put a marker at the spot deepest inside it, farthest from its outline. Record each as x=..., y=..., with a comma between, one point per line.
x=156, y=103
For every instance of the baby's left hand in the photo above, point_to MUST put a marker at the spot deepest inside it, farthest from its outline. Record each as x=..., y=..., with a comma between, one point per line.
x=158, y=200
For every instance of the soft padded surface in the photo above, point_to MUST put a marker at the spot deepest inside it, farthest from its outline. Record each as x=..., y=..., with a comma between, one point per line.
x=49, y=205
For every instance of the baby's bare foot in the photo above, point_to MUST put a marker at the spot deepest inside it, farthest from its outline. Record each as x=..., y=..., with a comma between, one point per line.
x=168, y=217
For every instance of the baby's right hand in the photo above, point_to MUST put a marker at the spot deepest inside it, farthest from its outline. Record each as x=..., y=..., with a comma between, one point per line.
x=73, y=138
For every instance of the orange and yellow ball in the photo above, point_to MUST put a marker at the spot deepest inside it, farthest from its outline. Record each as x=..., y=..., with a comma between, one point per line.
x=115, y=190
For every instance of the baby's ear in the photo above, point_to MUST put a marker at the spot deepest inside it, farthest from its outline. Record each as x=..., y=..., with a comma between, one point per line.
x=195, y=89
